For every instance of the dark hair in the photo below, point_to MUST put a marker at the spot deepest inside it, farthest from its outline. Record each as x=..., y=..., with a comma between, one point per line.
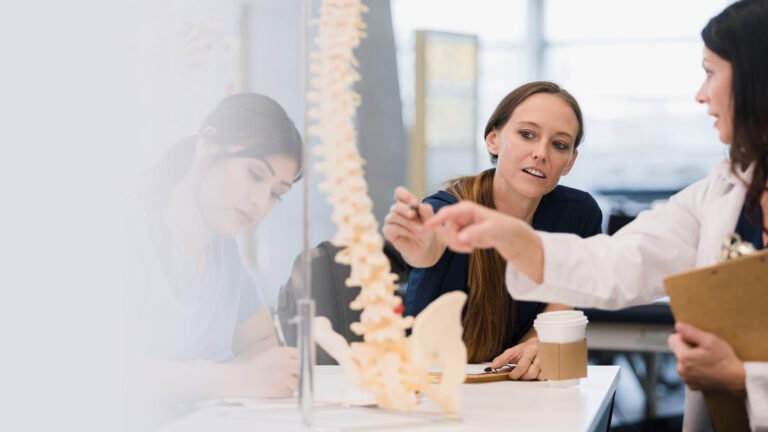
x=242, y=125
x=507, y=106
x=739, y=34
x=485, y=319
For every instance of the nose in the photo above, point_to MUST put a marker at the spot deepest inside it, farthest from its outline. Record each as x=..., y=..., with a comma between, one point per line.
x=540, y=151
x=260, y=196
x=701, y=95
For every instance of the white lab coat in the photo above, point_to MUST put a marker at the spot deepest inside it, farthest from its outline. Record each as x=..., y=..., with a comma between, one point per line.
x=628, y=268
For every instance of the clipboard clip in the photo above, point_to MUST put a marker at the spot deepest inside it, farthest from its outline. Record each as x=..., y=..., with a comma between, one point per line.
x=506, y=368
x=734, y=247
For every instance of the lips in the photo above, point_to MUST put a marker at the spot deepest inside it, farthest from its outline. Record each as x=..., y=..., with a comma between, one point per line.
x=244, y=217
x=534, y=172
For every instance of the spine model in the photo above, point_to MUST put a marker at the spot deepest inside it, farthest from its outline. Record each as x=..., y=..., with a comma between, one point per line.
x=389, y=365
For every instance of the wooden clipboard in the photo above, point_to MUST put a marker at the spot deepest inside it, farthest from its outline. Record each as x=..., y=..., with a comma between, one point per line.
x=434, y=377
x=731, y=300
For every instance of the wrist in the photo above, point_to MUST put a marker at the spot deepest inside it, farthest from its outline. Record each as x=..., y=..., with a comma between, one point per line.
x=507, y=243
x=737, y=383
x=532, y=340
x=521, y=247
x=223, y=379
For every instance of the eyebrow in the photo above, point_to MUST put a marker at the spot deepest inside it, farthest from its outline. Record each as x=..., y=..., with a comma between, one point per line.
x=272, y=171
x=269, y=166
x=537, y=126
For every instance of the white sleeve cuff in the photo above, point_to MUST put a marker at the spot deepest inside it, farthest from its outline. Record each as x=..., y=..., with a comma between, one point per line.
x=757, y=395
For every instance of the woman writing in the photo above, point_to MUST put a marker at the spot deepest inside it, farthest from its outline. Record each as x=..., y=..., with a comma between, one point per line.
x=196, y=308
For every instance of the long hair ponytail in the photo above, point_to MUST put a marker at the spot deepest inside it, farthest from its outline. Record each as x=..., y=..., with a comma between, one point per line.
x=485, y=320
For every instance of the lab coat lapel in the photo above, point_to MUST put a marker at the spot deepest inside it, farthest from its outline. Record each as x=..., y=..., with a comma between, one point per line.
x=721, y=213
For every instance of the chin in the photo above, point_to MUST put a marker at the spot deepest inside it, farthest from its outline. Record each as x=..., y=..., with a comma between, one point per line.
x=229, y=230
x=725, y=137
x=534, y=192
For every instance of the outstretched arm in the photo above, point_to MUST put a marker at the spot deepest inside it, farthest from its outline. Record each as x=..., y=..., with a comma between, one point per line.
x=468, y=226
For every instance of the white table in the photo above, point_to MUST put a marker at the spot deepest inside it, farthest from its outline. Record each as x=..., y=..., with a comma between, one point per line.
x=530, y=406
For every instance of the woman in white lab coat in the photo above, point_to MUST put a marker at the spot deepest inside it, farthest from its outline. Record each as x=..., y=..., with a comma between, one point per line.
x=687, y=232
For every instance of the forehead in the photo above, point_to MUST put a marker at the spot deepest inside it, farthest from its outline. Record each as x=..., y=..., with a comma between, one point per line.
x=547, y=110
x=285, y=167
x=711, y=59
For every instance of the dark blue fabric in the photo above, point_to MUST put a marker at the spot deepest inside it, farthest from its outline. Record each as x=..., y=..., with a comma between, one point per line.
x=562, y=210
x=747, y=230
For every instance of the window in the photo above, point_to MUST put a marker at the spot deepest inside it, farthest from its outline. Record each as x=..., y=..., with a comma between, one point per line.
x=633, y=66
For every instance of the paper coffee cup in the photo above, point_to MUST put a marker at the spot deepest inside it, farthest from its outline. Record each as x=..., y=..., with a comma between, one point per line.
x=561, y=333
x=561, y=328
x=563, y=313
x=560, y=320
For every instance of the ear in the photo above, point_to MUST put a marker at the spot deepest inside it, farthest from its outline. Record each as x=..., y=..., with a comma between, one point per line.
x=491, y=143
x=570, y=163
x=205, y=148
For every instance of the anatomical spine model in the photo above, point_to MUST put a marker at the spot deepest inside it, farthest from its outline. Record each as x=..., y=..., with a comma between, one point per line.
x=394, y=368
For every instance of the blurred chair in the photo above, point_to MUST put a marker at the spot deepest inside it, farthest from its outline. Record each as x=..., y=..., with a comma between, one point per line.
x=331, y=295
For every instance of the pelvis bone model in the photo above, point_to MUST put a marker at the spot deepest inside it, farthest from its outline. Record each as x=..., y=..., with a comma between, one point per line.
x=388, y=364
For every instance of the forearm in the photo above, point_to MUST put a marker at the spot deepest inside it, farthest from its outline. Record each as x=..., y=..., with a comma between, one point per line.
x=150, y=381
x=256, y=334
x=522, y=248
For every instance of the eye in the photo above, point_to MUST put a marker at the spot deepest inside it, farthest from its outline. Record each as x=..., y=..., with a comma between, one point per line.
x=277, y=197
x=526, y=134
x=256, y=176
x=560, y=145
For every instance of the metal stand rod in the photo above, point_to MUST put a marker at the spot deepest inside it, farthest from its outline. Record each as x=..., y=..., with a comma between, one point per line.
x=305, y=304
x=306, y=309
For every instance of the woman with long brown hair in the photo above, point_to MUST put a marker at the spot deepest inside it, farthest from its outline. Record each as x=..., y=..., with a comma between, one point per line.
x=532, y=138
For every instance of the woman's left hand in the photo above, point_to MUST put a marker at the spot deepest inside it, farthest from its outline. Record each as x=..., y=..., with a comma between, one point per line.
x=526, y=356
x=704, y=361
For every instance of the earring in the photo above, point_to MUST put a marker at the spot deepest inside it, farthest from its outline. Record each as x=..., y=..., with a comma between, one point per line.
x=207, y=132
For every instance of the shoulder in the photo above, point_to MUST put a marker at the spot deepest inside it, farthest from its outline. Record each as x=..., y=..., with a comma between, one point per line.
x=720, y=181
x=440, y=199
x=566, y=209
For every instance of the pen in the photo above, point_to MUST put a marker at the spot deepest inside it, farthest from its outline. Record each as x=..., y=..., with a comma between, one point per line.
x=275, y=319
x=278, y=327
x=415, y=208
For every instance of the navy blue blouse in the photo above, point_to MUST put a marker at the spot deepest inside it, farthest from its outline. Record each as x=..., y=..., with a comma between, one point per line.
x=747, y=230
x=562, y=210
